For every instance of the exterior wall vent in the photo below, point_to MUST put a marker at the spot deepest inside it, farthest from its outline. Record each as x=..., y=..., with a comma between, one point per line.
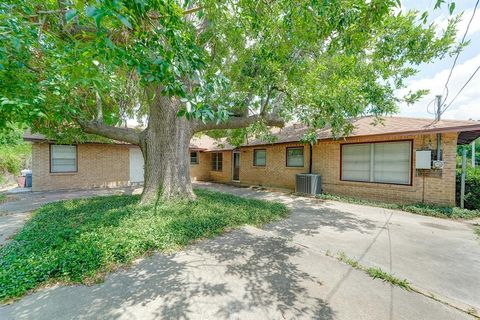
x=308, y=183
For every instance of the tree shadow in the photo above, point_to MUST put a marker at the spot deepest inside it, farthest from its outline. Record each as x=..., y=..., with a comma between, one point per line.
x=309, y=215
x=269, y=275
x=310, y=218
x=238, y=275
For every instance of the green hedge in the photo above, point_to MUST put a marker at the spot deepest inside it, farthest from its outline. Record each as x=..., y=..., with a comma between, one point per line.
x=472, y=188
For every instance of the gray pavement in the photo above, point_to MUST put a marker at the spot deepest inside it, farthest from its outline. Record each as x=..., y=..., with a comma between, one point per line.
x=437, y=255
x=282, y=271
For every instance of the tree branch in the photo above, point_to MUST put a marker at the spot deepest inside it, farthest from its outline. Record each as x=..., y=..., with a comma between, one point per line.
x=272, y=120
x=192, y=10
x=120, y=134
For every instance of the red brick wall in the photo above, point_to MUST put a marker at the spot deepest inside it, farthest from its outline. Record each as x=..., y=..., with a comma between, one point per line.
x=427, y=186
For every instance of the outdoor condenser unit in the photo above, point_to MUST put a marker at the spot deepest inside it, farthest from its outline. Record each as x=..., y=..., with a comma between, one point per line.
x=308, y=183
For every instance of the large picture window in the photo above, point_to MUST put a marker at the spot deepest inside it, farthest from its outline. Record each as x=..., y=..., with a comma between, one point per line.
x=383, y=162
x=63, y=158
x=260, y=157
x=295, y=157
x=217, y=161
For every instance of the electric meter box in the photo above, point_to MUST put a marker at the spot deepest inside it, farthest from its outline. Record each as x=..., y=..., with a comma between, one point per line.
x=423, y=159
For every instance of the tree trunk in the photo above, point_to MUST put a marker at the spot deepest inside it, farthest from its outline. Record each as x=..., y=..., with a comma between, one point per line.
x=165, y=147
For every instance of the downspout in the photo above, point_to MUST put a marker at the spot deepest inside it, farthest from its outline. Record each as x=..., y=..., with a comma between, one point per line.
x=310, y=163
x=439, y=135
x=439, y=146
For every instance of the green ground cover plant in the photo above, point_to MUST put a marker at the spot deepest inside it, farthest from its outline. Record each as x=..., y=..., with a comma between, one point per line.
x=79, y=241
x=418, y=208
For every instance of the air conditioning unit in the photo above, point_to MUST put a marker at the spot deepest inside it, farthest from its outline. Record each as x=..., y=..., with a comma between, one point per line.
x=308, y=183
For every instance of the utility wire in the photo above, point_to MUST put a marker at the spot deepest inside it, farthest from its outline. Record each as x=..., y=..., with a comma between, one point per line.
x=428, y=106
x=458, y=52
x=461, y=89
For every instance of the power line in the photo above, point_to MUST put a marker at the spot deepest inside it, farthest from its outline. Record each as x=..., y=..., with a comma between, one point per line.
x=458, y=52
x=428, y=106
x=461, y=89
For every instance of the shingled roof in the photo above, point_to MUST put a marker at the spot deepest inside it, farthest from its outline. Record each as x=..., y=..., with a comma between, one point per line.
x=198, y=143
x=366, y=126
x=206, y=143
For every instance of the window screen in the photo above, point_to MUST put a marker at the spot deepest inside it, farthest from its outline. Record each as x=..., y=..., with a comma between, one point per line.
x=385, y=162
x=356, y=162
x=392, y=162
x=63, y=158
x=217, y=161
x=193, y=157
x=260, y=157
x=295, y=157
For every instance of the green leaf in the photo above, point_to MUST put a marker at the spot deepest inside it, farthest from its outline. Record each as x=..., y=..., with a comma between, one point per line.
x=70, y=14
x=451, y=7
x=125, y=21
x=424, y=17
x=438, y=4
x=90, y=11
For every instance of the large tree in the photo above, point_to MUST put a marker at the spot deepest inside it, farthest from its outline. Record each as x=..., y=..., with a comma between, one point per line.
x=70, y=68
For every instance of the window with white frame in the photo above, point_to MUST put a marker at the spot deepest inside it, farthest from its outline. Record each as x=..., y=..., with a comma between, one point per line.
x=383, y=162
x=63, y=158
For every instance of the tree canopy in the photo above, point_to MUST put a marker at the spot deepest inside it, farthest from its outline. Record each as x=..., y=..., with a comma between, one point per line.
x=64, y=64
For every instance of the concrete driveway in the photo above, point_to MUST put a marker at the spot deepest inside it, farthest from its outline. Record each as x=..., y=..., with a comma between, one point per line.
x=282, y=271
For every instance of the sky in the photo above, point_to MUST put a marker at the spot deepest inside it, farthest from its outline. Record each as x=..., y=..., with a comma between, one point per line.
x=433, y=76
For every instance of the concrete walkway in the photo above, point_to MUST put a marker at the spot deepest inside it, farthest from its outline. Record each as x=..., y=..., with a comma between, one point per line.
x=282, y=272
x=437, y=255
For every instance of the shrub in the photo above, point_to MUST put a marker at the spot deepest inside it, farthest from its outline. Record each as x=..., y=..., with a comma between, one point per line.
x=14, y=158
x=472, y=188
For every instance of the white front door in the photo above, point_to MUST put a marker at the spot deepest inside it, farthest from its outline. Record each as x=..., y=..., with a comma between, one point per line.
x=136, y=165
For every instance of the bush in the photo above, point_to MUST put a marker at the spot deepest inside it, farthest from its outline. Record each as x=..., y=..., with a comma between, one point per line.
x=14, y=158
x=472, y=188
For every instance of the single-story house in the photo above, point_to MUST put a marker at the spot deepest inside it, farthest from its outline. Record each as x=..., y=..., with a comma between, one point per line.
x=390, y=161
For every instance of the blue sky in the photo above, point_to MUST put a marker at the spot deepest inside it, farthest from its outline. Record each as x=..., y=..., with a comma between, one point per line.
x=434, y=75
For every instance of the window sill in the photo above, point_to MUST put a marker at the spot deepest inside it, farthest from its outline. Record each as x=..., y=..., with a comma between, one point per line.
x=369, y=184
x=63, y=173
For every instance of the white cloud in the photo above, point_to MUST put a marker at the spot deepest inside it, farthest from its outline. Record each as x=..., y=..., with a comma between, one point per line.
x=466, y=106
x=442, y=21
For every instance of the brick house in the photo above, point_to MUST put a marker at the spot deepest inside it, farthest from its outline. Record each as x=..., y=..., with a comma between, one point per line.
x=376, y=162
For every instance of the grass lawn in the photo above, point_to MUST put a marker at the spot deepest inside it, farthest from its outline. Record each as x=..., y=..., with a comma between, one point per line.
x=79, y=241
x=419, y=208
